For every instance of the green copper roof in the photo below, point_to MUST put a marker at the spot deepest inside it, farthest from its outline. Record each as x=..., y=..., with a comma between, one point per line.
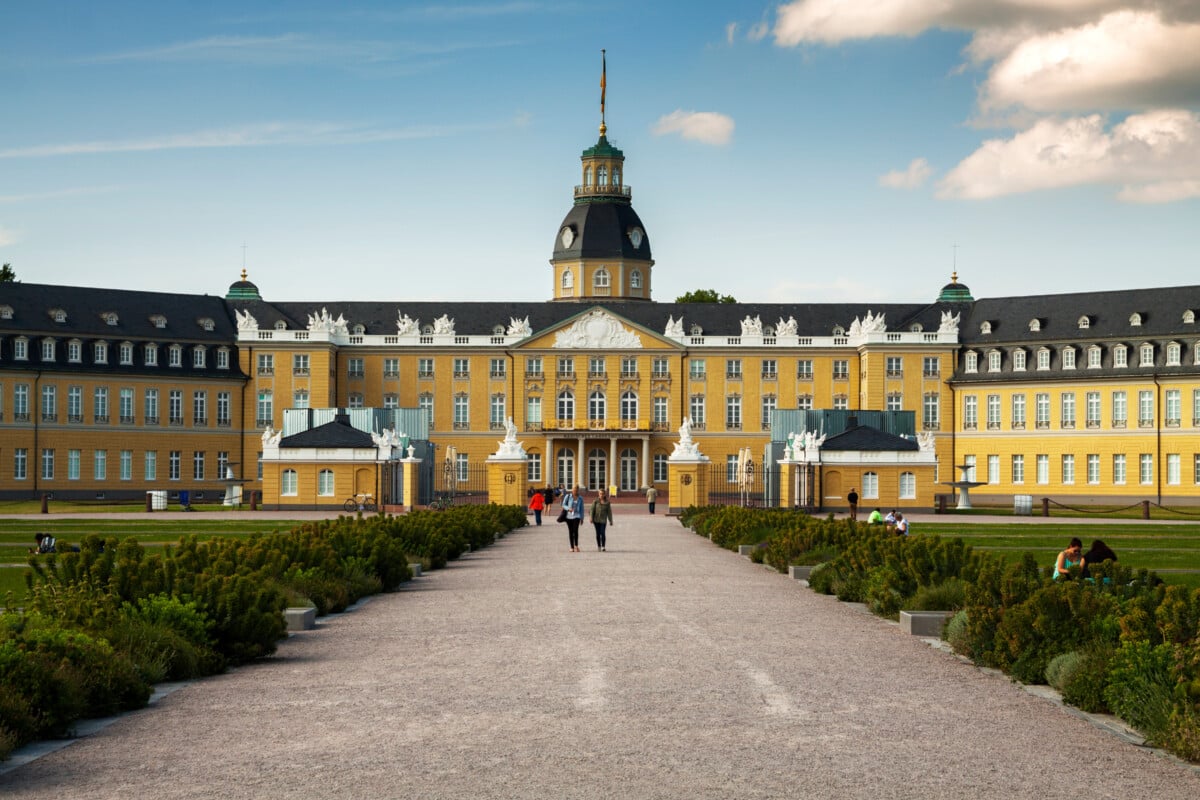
x=955, y=292
x=243, y=290
x=604, y=149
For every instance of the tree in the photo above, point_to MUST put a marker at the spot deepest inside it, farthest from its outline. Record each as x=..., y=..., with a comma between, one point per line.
x=7, y=275
x=705, y=296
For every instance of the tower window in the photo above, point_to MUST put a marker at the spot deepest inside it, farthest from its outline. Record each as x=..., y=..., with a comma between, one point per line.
x=568, y=279
x=587, y=176
x=601, y=281
x=602, y=176
x=635, y=279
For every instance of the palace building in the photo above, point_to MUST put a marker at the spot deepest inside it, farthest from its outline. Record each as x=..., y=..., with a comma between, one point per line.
x=1086, y=397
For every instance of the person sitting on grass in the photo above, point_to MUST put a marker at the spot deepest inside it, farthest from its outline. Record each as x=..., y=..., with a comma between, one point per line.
x=45, y=544
x=1071, y=557
x=875, y=518
x=1099, y=553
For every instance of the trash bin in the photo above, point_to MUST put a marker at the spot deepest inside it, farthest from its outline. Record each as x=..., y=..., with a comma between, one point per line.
x=1023, y=505
x=158, y=500
x=185, y=498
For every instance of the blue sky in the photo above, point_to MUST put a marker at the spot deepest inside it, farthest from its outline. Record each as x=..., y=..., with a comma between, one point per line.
x=820, y=150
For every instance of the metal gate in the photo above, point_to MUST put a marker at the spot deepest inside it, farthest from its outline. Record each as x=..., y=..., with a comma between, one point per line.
x=456, y=484
x=742, y=484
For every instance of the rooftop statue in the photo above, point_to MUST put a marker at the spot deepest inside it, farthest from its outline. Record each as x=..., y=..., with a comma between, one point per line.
x=519, y=327
x=406, y=325
x=674, y=327
x=949, y=322
x=752, y=327
x=443, y=325
x=245, y=320
x=789, y=328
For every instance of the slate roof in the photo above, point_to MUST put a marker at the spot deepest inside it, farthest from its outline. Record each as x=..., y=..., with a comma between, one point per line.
x=338, y=433
x=602, y=231
x=864, y=437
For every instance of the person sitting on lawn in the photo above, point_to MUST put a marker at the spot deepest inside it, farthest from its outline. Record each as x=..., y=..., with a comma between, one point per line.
x=875, y=518
x=45, y=544
x=1099, y=553
x=1071, y=557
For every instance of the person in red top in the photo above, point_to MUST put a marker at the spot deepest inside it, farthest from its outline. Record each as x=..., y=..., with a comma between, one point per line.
x=537, y=504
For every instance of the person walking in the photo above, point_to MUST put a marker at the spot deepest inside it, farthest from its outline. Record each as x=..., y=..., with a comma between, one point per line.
x=601, y=518
x=852, y=499
x=537, y=504
x=573, y=505
x=651, y=496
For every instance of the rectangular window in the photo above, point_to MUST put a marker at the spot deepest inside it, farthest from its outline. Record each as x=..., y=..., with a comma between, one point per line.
x=462, y=412
x=660, y=467
x=1146, y=468
x=1018, y=360
x=1043, y=468
x=733, y=368
x=1120, y=409
x=391, y=368
x=993, y=412
x=1093, y=409
x=264, y=414
x=1120, y=357
x=969, y=461
x=596, y=367
x=1119, y=469
x=1043, y=359
x=1042, y=409
x=661, y=415
x=931, y=367
x=733, y=413
x=993, y=462
x=696, y=369
x=47, y=350
x=175, y=407
x=73, y=465
x=870, y=486
x=300, y=364
x=223, y=465
x=497, y=411
x=266, y=364
x=841, y=369
x=354, y=367
x=1068, y=469
x=629, y=367
x=224, y=413
x=150, y=470
x=49, y=404
x=150, y=406
x=696, y=410
x=768, y=408
x=462, y=367
x=463, y=466
x=198, y=465
x=804, y=402
x=47, y=464
x=1174, y=402
x=21, y=463
x=1093, y=357
x=1145, y=409
x=1173, y=469
x=424, y=367
x=100, y=404
x=1196, y=408
x=75, y=404
x=895, y=366
x=175, y=356
x=994, y=361
x=931, y=411
x=425, y=403
x=126, y=465
x=200, y=408
x=125, y=353
x=533, y=366
x=660, y=368
x=533, y=468
x=174, y=460
x=841, y=401
x=21, y=402
x=566, y=367
x=125, y=406
x=731, y=469
x=198, y=358
x=1068, y=358
x=770, y=369
x=1018, y=411
x=100, y=465
x=970, y=412
x=1018, y=469
x=1093, y=468
x=499, y=368
x=222, y=359
x=804, y=369
x=533, y=410
x=894, y=401
x=1068, y=409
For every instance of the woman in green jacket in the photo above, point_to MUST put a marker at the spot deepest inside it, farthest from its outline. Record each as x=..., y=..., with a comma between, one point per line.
x=601, y=517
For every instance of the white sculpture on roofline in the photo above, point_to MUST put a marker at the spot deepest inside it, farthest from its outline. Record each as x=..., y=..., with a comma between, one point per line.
x=406, y=325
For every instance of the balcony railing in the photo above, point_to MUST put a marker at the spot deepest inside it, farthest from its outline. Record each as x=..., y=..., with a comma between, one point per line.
x=300, y=371
x=462, y=374
x=75, y=418
x=534, y=376
x=200, y=422
x=150, y=420
x=498, y=373
x=630, y=375
x=100, y=419
x=127, y=420
x=1119, y=423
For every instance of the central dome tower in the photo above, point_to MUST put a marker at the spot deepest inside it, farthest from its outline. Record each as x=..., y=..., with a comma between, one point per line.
x=601, y=250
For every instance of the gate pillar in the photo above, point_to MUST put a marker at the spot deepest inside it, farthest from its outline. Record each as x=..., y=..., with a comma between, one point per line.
x=506, y=480
x=410, y=481
x=687, y=484
x=787, y=483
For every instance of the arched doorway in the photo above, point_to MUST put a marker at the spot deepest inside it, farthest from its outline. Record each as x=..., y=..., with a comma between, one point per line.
x=597, y=470
x=629, y=470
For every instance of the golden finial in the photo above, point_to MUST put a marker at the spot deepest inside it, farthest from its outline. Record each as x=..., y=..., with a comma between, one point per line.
x=954, y=276
x=243, y=273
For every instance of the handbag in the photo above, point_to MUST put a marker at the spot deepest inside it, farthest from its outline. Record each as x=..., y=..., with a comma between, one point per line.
x=562, y=515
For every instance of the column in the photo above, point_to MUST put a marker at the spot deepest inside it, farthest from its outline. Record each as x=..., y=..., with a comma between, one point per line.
x=647, y=467
x=580, y=464
x=614, y=469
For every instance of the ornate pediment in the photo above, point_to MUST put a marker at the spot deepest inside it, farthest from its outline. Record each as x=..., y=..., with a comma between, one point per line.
x=597, y=329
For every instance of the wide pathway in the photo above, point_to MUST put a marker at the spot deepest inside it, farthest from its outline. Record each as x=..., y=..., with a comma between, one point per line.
x=663, y=668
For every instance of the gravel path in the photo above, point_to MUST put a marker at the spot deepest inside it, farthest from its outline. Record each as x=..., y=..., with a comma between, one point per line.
x=663, y=668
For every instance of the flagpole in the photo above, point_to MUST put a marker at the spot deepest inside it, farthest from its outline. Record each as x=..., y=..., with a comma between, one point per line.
x=603, y=83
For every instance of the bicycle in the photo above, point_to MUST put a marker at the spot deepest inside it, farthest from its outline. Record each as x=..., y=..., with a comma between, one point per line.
x=363, y=501
x=443, y=501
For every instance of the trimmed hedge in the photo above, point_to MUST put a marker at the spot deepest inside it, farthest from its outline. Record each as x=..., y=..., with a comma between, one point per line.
x=102, y=625
x=1121, y=641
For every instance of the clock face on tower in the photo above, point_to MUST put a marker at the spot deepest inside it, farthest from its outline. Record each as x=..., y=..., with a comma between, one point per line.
x=567, y=235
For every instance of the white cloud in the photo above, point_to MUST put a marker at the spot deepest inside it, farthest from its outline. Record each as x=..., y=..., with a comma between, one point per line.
x=730, y=32
x=1128, y=59
x=7, y=237
x=758, y=31
x=1154, y=157
x=257, y=135
x=913, y=177
x=709, y=127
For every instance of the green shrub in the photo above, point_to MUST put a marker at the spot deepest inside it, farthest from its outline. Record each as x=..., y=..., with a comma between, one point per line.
x=1141, y=687
x=949, y=595
x=955, y=633
x=1061, y=668
x=1084, y=687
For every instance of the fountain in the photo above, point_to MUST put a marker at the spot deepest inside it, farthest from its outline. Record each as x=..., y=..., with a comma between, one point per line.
x=964, y=486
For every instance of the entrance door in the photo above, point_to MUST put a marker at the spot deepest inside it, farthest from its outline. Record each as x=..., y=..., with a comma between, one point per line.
x=597, y=467
x=629, y=470
x=566, y=468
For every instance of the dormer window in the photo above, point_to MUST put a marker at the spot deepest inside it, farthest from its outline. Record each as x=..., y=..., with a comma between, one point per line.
x=280, y=325
x=74, y=351
x=1035, y=325
x=971, y=361
x=1120, y=356
x=498, y=330
x=150, y=352
x=199, y=358
x=100, y=352
x=696, y=330
x=838, y=330
x=1094, y=355
x=1068, y=358
x=985, y=327
x=20, y=349
x=1189, y=317
x=158, y=320
x=206, y=323
x=1018, y=360
x=1043, y=358
x=1135, y=320
x=126, y=352
x=58, y=315
x=993, y=361
x=110, y=318
x=1085, y=322
x=917, y=327
x=175, y=356
x=1173, y=354
x=427, y=330
x=358, y=330
x=6, y=312
x=1146, y=355
x=47, y=349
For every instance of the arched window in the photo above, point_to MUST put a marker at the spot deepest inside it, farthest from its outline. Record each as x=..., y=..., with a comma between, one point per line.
x=1147, y=355
x=629, y=406
x=908, y=486
x=635, y=279
x=616, y=177
x=601, y=279
x=597, y=406
x=568, y=280
x=325, y=483
x=602, y=175
x=288, y=486
x=587, y=176
x=1173, y=354
x=566, y=406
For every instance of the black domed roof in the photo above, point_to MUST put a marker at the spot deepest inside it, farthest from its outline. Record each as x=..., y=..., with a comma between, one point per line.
x=955, y=292
x=602, y=230
x=243, y=290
